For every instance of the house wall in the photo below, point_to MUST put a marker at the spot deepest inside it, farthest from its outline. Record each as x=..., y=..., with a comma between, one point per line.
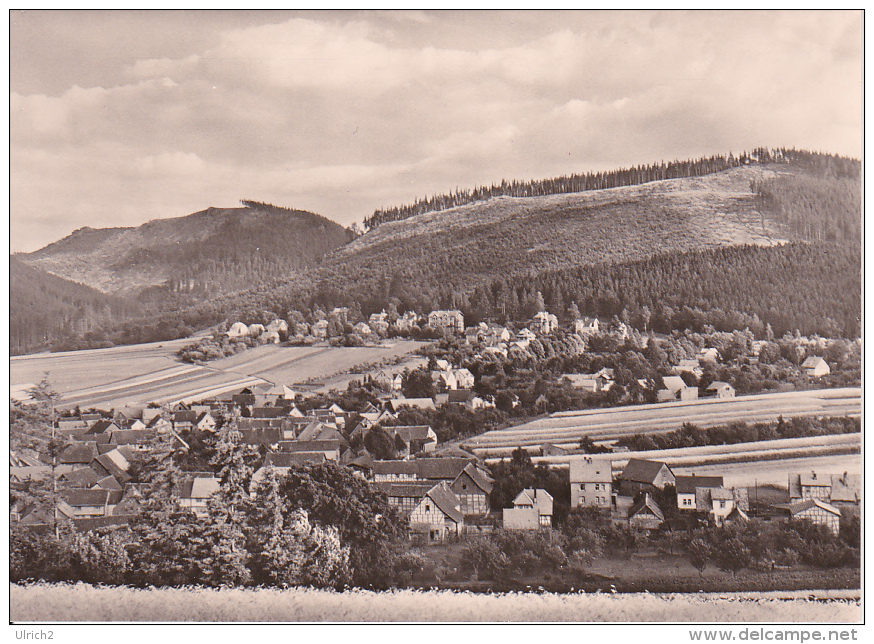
x=473, y=500
x=664, y=477
x=428, y=515
x=721, y=509
x=686, y=501
x=821, y=492
x=688, y=393
x=591, y=495
x=820, y=516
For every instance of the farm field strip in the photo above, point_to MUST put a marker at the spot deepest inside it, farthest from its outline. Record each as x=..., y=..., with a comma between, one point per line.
x=208, y=392
x=657, y=417
x=851, y=440
x=158, y=390
x=759, y=457
x=171, y=380
x=613, y=433
x=269, y=362
x=144, y=379
x=818, y=394
x=775, y=472
x=267, y=353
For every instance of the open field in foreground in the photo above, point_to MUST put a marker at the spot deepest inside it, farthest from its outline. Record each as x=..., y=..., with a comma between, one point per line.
x=567, y=428
x=139, y=374
x=81, y=602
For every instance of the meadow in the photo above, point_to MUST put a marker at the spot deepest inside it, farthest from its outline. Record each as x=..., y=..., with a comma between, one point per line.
x=82, y=602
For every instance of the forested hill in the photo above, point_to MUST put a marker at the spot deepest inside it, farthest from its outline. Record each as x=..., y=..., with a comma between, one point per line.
x=45, y=307
x=215, y=251
x=812, y=162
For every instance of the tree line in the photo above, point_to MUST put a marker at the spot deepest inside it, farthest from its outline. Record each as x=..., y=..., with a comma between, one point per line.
x=622, y=177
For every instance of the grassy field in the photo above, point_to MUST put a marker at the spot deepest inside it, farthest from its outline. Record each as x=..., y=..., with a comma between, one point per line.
x=81, y=602
x=567, y=428
x=139, y=374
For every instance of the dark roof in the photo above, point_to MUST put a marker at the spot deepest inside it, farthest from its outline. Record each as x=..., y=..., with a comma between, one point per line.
x=109, y=483
x=641, y=471
x=78, y=497
x=365, y=462
x=106, y=466
x=308, y=446
x=185, y=416
x=476, y=474
x=801, y=506
x=83, y=477
x=78, y=453
x=290, y=459
x=413, y=432
x=90, y=523
x=646, y=505
x=131, y=436
x=687, y=484
x=101, y=426
x=461, y=395
x=268, y=412
x=261, y=436
x=444, y=499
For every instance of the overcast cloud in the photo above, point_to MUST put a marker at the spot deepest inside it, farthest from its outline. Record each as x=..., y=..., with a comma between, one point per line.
x=122, y=117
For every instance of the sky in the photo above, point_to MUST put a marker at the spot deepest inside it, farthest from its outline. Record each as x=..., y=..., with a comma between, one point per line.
x=121, y=117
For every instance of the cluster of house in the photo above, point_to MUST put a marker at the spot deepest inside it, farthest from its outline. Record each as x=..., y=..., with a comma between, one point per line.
x=265, y=334
x=631, y=497
x=95, y=488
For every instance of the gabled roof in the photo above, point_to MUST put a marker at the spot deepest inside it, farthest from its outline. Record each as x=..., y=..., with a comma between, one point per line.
x=447, y=502
x=267, y=436
x=364, y=462
x=674, y=383
x=77, y=497
x=78, y=453
x=102, y=426
x=131, y=436
x=109, y=483
x=478, y=478
x=646, y=505
x=104, y=463
x=185, y=416
x=801, y=506
x=687, y=484
x=811, y=362
x=414, y=432
x=716, y=385
x=810, y=479
x=268, y=412
x=538, y=498
x=407, y=489
x=641, y=470
x=84, y=477
x=201, y=487
x=846, y=488
x=420, y=403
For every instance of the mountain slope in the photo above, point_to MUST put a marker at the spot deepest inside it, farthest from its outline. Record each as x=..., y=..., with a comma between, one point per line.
x=45, y=307
x=213, y=251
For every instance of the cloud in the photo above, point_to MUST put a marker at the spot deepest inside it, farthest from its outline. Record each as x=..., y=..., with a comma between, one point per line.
x=343, y=113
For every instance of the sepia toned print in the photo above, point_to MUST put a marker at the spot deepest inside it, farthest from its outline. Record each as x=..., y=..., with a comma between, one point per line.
x=435, y=316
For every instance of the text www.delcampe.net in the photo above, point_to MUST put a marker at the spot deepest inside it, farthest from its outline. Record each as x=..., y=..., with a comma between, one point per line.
x=773, y=634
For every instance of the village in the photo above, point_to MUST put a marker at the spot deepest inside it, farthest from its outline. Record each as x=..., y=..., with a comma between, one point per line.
x=445, y=492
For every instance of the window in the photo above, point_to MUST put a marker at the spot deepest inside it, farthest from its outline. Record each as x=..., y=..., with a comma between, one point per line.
x=427, y=508
x=464, y=486
x=722, y=504
x=582, y=499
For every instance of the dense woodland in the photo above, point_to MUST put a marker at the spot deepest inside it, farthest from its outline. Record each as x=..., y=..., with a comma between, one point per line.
x=495, y=273
x=820, y=163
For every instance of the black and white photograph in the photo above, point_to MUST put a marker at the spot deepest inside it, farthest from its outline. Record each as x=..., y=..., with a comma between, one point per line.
x=425, y=316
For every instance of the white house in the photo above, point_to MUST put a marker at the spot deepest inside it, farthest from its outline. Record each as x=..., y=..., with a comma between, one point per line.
x=815, y=367
x=238, y=330
x=587, y=326
x=678, y=389
x=447, y=321
x=544, y=323
x=721, y=389
x=537, y=499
